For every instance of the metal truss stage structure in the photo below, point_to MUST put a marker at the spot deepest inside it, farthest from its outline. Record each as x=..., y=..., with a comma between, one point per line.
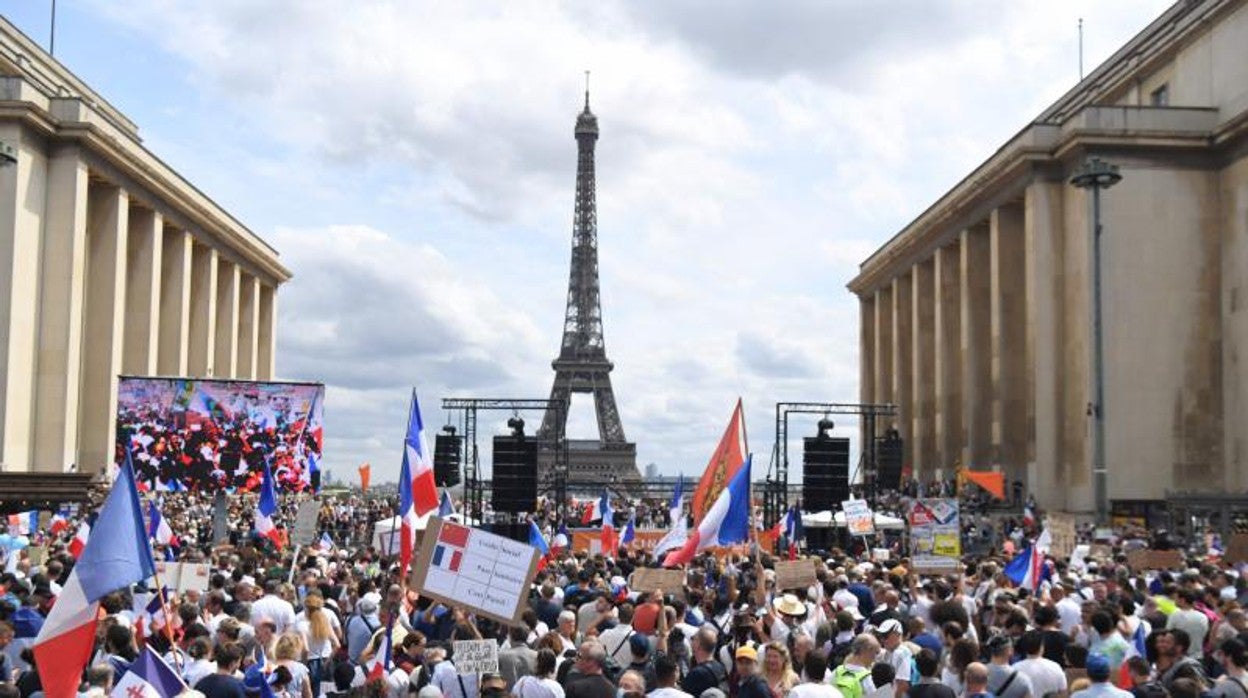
x=776, y=487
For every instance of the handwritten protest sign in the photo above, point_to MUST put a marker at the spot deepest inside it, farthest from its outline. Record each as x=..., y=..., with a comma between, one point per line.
x=1062, y=532
x=795, y=574
x=1140, y=560
x=485, y=572
x=858, y=517
x=650, y=579
x=476, y=656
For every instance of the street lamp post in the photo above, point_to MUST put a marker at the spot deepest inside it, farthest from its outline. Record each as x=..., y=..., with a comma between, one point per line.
x=1096, y=174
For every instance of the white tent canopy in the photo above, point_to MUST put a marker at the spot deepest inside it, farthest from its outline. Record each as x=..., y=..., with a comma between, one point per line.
x=825, y=519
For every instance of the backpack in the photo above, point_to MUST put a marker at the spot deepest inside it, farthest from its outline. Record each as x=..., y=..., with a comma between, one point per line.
x=836, y=657
x=849, y=681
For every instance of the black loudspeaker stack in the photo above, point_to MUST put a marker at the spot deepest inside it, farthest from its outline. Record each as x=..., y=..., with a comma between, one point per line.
x=515, y=474
x=825, y=473
x=446, y=449
x=888, y=453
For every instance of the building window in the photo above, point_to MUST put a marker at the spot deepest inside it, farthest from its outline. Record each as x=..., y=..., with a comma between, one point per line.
x=1160, y=97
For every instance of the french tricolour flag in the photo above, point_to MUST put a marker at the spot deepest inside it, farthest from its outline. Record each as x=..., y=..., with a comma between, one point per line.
x=79, y=543
x=158, y=530
x=446, y=507
x=149, y=677
x=537, y=540
x=379, y=665
x=416, y=450
x=630, y=532
x=116, y=555
x=57, y=524
x=793, y=530
x=267, y=509
x=679, y=532
x=727, y=522
x=448, y=552
x=1027, y=569
x=593, y=512
x=151, y=617
x=610, y=543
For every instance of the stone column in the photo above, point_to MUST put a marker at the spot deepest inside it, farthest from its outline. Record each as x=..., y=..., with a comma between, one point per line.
x=203, y=311
x=866, y=347
x=903, y=362
x=946, y=280
x=59, y=372
x=884, y=346
x=975, y=282
x=248, y=326
x=21, y=224
x=226, y=361
x=1043, y=255
x=923, y=360
x=175, y=302
x=146, y=243
x=108, y=224
x=1010, y=433
x=267, y=351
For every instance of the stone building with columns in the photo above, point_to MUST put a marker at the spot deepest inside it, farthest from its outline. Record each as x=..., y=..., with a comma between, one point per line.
x=110, y=263
x=976, y=317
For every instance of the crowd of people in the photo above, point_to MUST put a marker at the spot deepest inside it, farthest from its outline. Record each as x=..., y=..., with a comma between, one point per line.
x=314, y=625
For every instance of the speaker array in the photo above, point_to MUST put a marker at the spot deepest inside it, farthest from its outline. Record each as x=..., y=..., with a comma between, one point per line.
x=446, y=450
x=825, y=473
x=515, y=474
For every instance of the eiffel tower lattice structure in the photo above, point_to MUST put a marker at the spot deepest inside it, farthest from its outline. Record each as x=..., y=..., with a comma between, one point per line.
x=582, y=365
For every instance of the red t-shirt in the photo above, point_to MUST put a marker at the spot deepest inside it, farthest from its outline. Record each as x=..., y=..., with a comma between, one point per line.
x=646, y=618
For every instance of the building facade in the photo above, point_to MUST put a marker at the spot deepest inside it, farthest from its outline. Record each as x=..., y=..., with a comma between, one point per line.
x=110, y=263
x=976, y=317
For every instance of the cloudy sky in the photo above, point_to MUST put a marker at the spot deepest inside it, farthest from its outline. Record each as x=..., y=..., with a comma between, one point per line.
x=414, y=164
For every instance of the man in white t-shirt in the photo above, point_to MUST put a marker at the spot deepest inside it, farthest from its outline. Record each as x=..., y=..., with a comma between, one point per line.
x=896, y=654
x=274, y=607
x=1046, y=675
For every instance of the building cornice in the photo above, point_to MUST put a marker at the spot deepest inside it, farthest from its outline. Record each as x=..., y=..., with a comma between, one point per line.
x=1036, y=147
x=38, y=91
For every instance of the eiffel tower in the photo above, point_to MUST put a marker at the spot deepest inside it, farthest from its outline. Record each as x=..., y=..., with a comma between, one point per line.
x=582, y=365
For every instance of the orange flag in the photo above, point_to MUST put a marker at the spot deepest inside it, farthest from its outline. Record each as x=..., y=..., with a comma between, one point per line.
x=725, y=462
x=994, y=483
x=366, y=471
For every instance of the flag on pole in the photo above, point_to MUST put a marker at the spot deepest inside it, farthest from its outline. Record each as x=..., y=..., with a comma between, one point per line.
x=1136, y=647
x=325, y=544
x=793, y=530
x=727, y=459
x=537, y=540
x=57, y=524
x=267, y=509
x=150, y=618
x=679, y=532
x=446, y=507
x=115, y=556
x=79, y=543
x=1027, y=569
x=407, y=516
x=379, y=665
x=610, y=544
x=149, y=677
x=158, y=530
x=727, y=522
x=630, y=532
x=416, y=450
x=366, y=473
x=1029, y=516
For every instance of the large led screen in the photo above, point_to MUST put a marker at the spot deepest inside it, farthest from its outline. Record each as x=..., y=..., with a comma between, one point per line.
x=200, y=434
